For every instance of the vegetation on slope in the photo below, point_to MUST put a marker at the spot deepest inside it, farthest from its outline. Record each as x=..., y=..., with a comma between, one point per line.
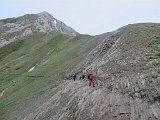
x=6, y=50
x=132, y=65
x=51, y=55
x=135, y=61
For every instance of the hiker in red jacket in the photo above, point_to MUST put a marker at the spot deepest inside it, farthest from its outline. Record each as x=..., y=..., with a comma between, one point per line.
x=90, y=79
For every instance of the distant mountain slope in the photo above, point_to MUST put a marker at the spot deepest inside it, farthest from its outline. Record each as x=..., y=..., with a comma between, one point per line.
x=12, y=29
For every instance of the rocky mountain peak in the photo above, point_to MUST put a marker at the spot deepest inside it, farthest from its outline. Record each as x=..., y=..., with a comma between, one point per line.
x=44, y=13
x=12, y=29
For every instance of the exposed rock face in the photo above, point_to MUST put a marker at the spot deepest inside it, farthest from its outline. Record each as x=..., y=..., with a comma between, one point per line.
x=46, y=23
x=129, y=69
x=12, y=29
x=76, y=101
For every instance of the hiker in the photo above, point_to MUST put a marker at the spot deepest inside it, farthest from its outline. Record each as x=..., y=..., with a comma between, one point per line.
x=90, y=79
x=83, y=76
x=74, y=76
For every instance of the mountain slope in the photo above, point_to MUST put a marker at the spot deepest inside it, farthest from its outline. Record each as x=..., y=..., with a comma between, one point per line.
x=51, y=56
x=12, y=29
x=35, y=73
x=130, y=72
x=128, y=86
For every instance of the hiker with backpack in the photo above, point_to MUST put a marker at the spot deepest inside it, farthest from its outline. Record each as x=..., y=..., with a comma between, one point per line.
x=74, y=76
x=90, y=79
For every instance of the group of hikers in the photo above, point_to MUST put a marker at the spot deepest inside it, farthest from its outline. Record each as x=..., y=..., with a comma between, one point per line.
x=90, y=78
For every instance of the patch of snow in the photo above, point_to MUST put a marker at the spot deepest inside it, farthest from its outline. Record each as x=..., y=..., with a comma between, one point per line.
x=31, y=69
x=2, y=93
x=55, y=22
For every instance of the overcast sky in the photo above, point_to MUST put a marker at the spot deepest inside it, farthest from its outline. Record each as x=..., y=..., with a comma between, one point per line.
x=87, y=16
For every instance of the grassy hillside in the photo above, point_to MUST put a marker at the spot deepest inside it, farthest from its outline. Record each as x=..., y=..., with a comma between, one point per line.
x=128, y=69
x=51, y=55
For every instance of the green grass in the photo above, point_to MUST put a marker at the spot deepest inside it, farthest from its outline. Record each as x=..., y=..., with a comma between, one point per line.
x=52, y=57
x=156, y=99
x=8, y=49
x=155, y=42
x=9, y=20
x=26, y=93
x=156, y=63
x=154, y=55
x=22, y=18
x=143, y=66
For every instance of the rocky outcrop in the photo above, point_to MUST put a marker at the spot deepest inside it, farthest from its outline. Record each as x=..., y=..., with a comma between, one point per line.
x=47, y=23
x=128, y=67
x=12, y=29
x=77, y=101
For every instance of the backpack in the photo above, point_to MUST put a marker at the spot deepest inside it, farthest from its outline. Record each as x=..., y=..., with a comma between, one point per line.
x=90, y=76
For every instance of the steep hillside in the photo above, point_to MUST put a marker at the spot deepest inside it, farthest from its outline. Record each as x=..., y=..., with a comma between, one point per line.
x=31, y=68
x=35, y=71
x=130, y=71
x=12, y=29
x=129, y=88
